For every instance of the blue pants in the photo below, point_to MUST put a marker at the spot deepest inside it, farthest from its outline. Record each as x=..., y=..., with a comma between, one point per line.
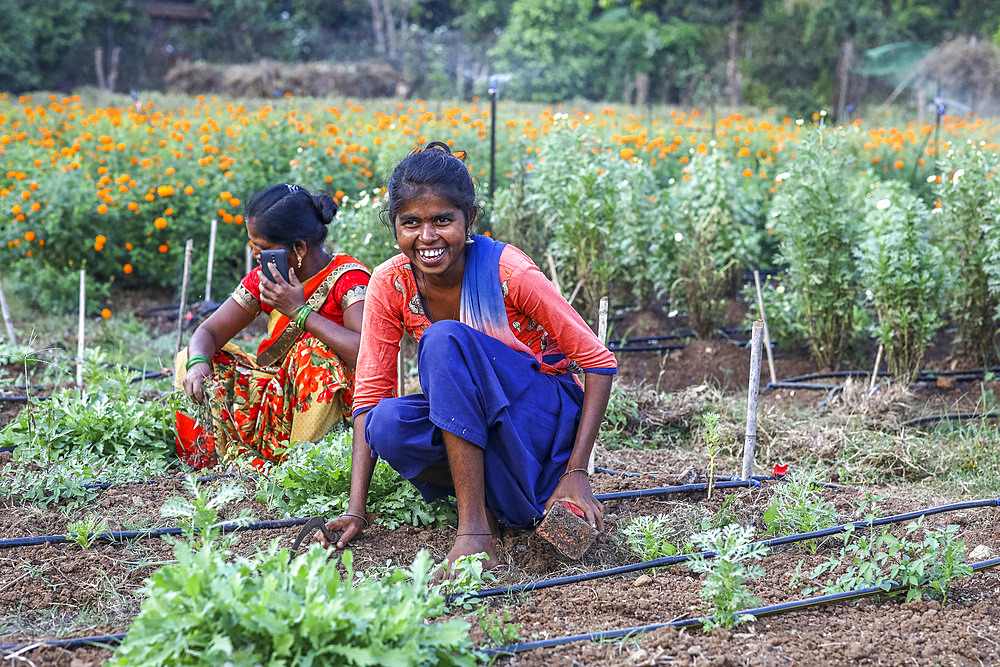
x=481, y=390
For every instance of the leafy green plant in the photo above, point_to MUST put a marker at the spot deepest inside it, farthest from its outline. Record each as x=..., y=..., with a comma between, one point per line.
x=798, y=506
x=212, y=608
x=650, y=537
x=884, y=560
x=967, y=228
x=465, y=575
x=815, y=219
x=592, y=212
x=109, y=422
x=902, y=270
x=33, y=479
x=710, y=425
x=82, y=532
x=16, y=355
x=315, y=478
x=496, y=626
x=728, y=573
x=718, y=233
x=199, y=515
x=621, y=415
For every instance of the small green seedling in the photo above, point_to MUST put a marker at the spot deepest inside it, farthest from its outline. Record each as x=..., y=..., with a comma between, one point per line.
x=798, y=506
x=710, y=422
x=725, y=586
x=650, y=537
x=199, y=516
x=496, y=626
x=463, y=576
x=83, y=532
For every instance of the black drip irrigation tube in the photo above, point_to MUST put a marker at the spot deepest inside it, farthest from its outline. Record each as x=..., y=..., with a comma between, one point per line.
x=74, y=642
x=804, y=381
x=958, y=417
x=122, y=535
x=673, y=560
x=768, y=610
x=656, y=343
x=200, y=480
x=287, y=523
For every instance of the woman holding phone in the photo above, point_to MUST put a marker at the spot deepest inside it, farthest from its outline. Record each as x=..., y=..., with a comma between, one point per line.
x=301, y=381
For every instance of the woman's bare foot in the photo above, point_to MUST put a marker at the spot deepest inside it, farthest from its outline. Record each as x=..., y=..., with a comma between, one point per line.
x=469, y=544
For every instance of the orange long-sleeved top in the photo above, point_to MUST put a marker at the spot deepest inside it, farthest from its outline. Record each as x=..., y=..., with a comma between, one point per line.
x=539, y=318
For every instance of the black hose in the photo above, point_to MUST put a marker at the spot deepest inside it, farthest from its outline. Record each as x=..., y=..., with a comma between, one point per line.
x=959, y=417
x=688, y=622
x=680, y=558
x=155, y=532
x=200, y=480
x=66, y=643
x=683, y=488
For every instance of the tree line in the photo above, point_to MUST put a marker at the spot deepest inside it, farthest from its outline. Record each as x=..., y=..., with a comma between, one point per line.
x=795, y=54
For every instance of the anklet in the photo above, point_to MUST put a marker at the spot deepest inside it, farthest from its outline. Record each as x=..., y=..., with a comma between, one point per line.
x=474, y=534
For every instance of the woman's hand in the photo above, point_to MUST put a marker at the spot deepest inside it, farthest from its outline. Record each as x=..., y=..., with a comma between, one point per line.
x=347, y=525
x=284, y=295
x=575, y=488
x=194, y=381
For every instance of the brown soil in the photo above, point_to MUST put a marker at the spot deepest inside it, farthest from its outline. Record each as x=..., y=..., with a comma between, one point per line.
x=63, y=590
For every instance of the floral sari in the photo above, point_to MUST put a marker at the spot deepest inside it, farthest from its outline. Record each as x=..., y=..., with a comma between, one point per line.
x=295, y=388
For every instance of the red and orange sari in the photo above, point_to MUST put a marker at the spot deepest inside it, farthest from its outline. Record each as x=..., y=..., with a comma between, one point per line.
x=295, y=388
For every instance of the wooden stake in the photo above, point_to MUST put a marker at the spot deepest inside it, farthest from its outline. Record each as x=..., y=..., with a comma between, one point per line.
x=249, y=259
x=750, y=440
x=79, y=331
x=188, y=250
x=8, y=322
x=602, y=333
x=400, y=381
x=576, y=290
x=211, y=260
x=763, y=317
x=552, y=272
x=878, y=362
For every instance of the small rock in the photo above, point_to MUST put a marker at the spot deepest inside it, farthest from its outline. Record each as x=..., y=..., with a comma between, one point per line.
x=138, y=501
x=521, y=547
x=644, y=580
x=694, y=650
x=944, y=382
x=708, y=350
x=982, y=552
x=688, y=476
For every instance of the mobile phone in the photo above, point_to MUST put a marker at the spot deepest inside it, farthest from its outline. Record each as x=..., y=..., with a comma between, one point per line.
x=277, y=257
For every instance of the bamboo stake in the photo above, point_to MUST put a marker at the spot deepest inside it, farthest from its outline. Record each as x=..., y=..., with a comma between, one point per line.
x=552, y=271
x=249, y=259
x=188, y=250
x=400, y=381
x=602, y=334
x=8, y=322
x=878, y=362
x=750, y=440
x=767, y=336
x=79, y=331
x=211, y=260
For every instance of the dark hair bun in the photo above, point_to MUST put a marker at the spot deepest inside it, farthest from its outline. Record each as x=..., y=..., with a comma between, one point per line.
x=325, y=206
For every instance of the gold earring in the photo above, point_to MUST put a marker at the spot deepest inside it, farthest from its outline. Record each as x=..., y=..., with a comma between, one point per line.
x=469, y=239
x=300, y=260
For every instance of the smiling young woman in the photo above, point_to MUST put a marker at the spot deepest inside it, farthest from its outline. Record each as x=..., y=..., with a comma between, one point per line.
x=501, y=422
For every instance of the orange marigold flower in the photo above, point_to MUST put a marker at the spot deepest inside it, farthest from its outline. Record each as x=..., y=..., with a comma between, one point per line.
x=234, y=202
x=132, y=206
x=15, y=209
x=225, y=195
x=29, y=236
x=102, y=209
x=160, y=223
x=747, y=173
x=105, y=313
x=626, y=153
x=128, y=246
x=127, y=268
x=163, y=247
x=238, y=219
x=898, y=164
x=165, y=190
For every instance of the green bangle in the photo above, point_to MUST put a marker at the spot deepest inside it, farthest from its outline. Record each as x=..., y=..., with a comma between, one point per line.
x=197, y=359
x=301, y=315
